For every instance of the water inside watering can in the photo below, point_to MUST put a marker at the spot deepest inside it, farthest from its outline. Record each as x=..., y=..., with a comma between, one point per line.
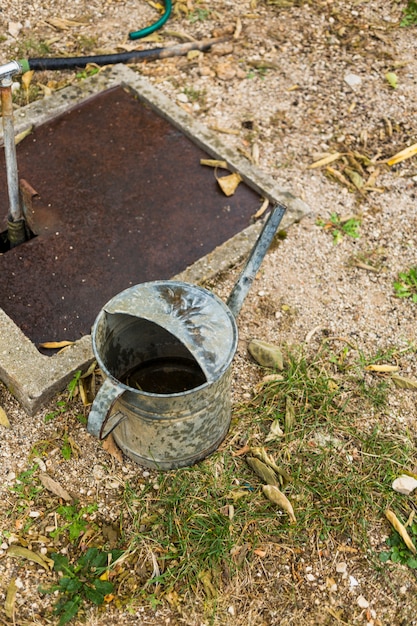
x=165, y=375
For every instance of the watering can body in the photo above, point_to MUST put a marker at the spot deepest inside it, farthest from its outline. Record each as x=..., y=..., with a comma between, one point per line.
x=165, y=349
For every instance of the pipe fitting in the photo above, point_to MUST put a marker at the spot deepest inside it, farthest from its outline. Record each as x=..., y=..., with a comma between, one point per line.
x=8, y=70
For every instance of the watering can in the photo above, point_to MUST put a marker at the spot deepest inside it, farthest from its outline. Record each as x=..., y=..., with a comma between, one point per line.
x=165, y=349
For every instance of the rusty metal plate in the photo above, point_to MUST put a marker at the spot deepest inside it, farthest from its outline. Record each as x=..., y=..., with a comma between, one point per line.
x=122, y=199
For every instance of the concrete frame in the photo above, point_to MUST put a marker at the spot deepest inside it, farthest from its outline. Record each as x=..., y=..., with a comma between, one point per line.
x=34, y=378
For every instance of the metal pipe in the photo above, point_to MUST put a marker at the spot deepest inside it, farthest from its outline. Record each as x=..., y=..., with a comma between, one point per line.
x=15, y=210
x=16, y=223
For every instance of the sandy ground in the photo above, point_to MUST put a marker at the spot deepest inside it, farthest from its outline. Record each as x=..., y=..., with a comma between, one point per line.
x=298, y=83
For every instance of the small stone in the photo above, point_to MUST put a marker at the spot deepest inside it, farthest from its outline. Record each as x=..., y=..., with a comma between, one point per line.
x=353, y=80
x=221, y=49
x=225, y=71
x=266, y=354
x=362, y=602
x=182, y=97
x=353, y=582
x=341, y=568
x=14, y=28
x=404, y=484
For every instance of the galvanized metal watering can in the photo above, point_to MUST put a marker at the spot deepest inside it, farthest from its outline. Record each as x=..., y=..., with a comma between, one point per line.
x=165, y=349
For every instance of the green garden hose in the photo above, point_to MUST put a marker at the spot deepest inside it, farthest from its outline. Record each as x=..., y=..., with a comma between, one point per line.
x=144, y=32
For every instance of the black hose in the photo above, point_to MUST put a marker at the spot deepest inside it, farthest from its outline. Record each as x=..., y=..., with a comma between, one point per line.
x=135, y=56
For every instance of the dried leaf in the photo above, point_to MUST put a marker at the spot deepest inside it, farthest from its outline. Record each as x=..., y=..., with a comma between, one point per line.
x=263, y=471
x=277, y=497
x=382, y=368
x=392, y=79
x=404, y=383
x=338, y=177
x=62, y=23
x=27, y=79
x=289, y=415
x=401, y=530
x=241, y=451
x=112, y=448
x=261, y=454
x=262, y=209
x=329, y=158
x=238, y=29
x=52, y=345
x=266, y=354
x=355, y=177
x=214, y=163
x=275, y=432
x=237, y=494
x=24, y=553
x=259, y=552
x=83, y=392
x=272, y=378
x=90, y=370
x=20, y=136
x=4, y=420
x=229, y=184
x=255, y=153
x=407, y=153
x=10, y=599
x=52, y=485
x=222, y=129
x=209, y=588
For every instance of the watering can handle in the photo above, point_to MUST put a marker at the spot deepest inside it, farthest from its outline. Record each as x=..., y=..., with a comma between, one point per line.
x=245, y=280
x=100, y=421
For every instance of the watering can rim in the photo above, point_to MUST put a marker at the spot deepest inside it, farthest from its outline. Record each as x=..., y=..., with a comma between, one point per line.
x=177, y=326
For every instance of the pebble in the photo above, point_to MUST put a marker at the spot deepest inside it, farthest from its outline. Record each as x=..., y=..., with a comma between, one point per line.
x=362, y=602
x=404, y=484
x=353, y=80
x=341, y=568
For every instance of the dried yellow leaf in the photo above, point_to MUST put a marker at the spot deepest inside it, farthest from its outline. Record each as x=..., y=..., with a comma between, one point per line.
x=62, y=23
x=27, y=79
x=261, y=454
x=404, y=383
x=83, y=392
x=110, y=446
x=10, y=599
x=382, y=368
x=20, y=136
x=275, y=432
x=263, y=471
x=52, y=345
x=289, y=415
x=229, y=184
x=401, y=530
x=24, y=553
x=90, y=370
x=276, y=496
x=329, y=158
x=214, y=163
x=355, y=177
x=262, y=209
x=4, y=420
x=338, y=176
x=238, y=29
x=407, y=153
x=54, y=487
